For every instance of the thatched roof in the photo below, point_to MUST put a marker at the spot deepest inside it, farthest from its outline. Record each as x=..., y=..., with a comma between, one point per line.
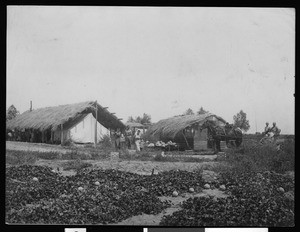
x=135, y=124
x=170, y=127
x=68, y=115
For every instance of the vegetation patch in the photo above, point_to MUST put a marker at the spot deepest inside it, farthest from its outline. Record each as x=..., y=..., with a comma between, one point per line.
x=77, y=165
x=255, y=199
x=262, y=157
x=20, y=157
x=37, y=194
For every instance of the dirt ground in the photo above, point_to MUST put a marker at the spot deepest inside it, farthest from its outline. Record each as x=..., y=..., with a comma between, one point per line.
x=134, y=166
x=42, y=147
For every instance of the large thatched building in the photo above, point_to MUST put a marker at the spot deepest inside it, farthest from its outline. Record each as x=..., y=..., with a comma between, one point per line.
x=61, y=123
x=185, y=130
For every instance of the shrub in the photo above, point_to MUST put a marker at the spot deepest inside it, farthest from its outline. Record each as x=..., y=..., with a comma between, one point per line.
x=267, y=157
x=73, y=155
x=124, y=154
x=105, y=142
x=48, y=155
x=192, y=159
x=286, y=155
x=20, y=157
x=99, y=154
x=76, y=165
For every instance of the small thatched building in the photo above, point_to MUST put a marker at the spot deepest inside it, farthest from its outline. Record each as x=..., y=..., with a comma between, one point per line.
x=137, y=126
x=58, y=124
x=185, y=130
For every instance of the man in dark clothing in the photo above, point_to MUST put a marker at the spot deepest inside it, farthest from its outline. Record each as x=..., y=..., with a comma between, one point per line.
x=128, y=137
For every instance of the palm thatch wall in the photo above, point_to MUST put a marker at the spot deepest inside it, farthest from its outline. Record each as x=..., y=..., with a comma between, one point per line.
x=69, y=115
x=168, y=129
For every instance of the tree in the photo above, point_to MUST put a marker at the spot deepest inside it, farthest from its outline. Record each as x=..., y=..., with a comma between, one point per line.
x=202, y=111
x=130, y=119
x=11, y=113
x=240, y=120
x=189, y=111
x=138, y=119
x=145, y=119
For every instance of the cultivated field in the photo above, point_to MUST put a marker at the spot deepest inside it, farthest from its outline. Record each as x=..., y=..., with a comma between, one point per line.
x=249, y=186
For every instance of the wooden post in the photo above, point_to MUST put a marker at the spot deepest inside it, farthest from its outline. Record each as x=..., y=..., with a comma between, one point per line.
x=186, y=141
x=43, y=136
x=62, y=135
x=52, y=132
x=96, y=117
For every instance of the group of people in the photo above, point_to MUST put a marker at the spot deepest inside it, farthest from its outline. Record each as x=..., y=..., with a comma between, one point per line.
x=271, y=131
x=128, y=139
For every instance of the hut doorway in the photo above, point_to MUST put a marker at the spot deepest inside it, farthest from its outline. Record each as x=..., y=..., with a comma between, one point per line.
x=201, y=140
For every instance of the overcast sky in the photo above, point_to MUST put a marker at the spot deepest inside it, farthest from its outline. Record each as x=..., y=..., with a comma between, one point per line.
x=155, y=60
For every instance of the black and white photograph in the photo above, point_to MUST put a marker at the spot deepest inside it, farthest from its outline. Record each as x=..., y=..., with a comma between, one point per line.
x=150, y=116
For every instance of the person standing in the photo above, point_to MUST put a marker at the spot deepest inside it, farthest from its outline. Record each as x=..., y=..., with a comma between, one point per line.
x=138, y=140
x=128, y=137
x=122, y=141
x=117, y=136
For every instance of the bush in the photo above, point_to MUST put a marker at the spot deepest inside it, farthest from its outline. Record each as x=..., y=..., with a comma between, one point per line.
x=286, y=155
x=161, y=158
x=73, y=155
x=76, y=165
x=105, y=142
x=99, y=154
x=194, y=159
x=267, y=157
x=48, y=155
x=20, y=157
x=124, y=154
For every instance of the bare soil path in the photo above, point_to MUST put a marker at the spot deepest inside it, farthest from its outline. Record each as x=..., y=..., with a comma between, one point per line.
x=134, y=166
x=41, y=147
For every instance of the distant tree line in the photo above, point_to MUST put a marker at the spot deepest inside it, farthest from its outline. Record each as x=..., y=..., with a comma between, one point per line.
x=146, y=118
x=189, y=111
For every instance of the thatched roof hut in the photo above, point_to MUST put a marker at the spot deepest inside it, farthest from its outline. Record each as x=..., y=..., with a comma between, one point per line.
x=168, y=129
x=51, y=118
x=135, y=125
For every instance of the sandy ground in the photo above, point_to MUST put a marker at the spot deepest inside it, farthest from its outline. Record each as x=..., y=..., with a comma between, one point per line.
x=42, y=147
x=134, y=166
